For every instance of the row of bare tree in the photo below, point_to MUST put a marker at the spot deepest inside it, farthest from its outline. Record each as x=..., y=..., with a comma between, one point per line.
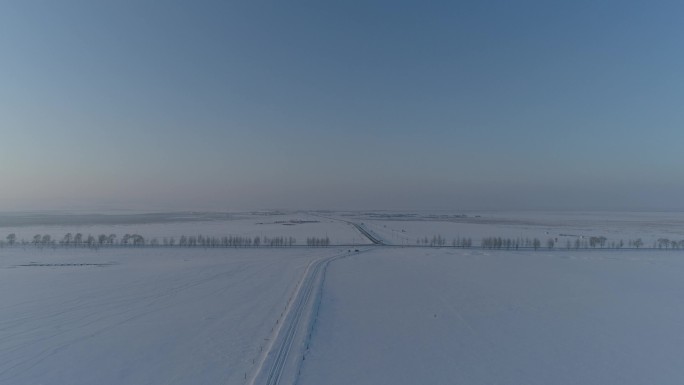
x=551, y=243
x=77, y=239
x=318, y=242
x=136, y=240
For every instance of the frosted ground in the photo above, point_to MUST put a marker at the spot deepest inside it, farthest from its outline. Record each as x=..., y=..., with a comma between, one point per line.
x=261, y=224
x=428, y=316
x=406, y=227
x=386, y=315
x=153, y=316
x=398, y=228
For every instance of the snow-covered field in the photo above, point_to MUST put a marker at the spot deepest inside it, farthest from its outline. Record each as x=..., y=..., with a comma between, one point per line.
x=297, y=225
x=130, y=316
x=391, y=227
x=564, y=226
x=372, y=314
x=422, y=316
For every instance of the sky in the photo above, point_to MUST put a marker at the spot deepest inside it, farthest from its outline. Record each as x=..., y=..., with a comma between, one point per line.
x=221, y=105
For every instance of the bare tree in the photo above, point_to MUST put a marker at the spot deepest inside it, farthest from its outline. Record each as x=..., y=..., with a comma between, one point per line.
x=138, y=240
x=663, y=242
x=536, y=243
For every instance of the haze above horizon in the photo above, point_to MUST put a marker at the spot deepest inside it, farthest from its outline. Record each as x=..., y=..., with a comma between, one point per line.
x=353, y=105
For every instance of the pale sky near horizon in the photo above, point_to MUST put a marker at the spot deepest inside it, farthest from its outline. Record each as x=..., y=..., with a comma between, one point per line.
x=342, y=105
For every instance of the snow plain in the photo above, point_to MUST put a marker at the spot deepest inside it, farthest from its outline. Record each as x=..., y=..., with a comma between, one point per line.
x=440, y=316
x=297, y=225
x=405, y=229
x=141, y=316
x=388, y=315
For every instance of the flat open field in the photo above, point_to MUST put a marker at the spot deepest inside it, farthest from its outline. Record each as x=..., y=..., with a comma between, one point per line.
x=417, y=316
x=407, y=228
x=169, y=225
x=128, y=316
x=362, y=314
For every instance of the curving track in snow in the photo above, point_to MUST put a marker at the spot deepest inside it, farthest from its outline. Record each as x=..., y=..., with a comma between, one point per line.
x=281, y=362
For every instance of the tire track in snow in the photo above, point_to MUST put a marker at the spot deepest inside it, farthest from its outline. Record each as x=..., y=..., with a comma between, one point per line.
x=273, y=365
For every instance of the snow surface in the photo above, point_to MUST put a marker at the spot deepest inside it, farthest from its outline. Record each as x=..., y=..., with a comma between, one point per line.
x=387, y=316
x=563, y=226
x=151, y=316
x=297, y=225
x=393, y=227
x=438, y=316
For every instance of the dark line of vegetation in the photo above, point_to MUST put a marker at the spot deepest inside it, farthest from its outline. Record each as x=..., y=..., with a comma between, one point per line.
x=499, y=243
x=136, y=240
x=551, y=243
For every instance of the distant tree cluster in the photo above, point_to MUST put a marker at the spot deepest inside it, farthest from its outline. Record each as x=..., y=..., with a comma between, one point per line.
x=462, y=242
x=551, y=243
x=136, y=240
x=226, y=241
x=495, y=243
x=510, y=243
x=76, y=240
x=279, y=241
x=318, y=242
x=133, y=240
x=601, y=242
x=436, y=240
x=597, y=241
x=579, y=243
x=440, y=241
x=664, y=243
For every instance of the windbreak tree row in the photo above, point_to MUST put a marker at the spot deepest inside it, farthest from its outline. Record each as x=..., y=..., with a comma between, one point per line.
x=318, y=242
x=593, y=242
x=439, y=241
x=137, y=240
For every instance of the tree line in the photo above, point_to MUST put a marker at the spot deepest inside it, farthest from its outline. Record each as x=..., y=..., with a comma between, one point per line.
x=593, y=242
x=137, y=240
x=440, y=241
x=318, y=242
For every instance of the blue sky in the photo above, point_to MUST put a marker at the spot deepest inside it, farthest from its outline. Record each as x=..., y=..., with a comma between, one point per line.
x=351, y=105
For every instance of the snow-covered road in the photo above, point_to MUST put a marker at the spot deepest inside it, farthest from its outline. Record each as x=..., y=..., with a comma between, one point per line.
x=280, y=363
